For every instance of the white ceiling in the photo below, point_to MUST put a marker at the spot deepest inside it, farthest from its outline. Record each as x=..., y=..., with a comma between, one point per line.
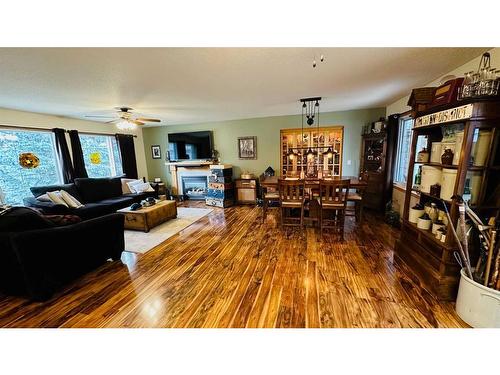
x=189, y=85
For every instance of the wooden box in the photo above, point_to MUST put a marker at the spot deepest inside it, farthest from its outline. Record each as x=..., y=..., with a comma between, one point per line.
x=149, y=217
x=246, y=191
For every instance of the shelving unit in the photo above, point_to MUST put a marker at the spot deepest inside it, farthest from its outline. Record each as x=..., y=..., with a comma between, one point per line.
x=430, y=259
x=331, y=136
x=375, y=152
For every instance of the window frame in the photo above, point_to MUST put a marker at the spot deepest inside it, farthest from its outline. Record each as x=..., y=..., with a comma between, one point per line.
x=57, y=163
x=110, y=146
x=398, y=162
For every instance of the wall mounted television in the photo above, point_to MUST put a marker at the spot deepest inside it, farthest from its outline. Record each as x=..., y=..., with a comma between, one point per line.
x=190, y=146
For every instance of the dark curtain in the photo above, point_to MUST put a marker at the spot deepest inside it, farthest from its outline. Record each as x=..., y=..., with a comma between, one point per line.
x=392, y=149
x=62, y=151
x=76, y=150
x=127, y=152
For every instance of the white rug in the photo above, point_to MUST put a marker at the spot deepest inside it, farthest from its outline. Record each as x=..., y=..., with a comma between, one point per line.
x=140, y=242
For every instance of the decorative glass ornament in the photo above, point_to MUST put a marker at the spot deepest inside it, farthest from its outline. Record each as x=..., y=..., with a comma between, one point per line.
x=95, y=158
x=28, y=160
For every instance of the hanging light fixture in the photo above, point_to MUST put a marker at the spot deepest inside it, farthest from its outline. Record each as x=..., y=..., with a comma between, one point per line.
x=125, y=124
x=329, y=153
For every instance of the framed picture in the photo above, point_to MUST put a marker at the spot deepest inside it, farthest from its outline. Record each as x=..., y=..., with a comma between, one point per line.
x=247, y=147
x=156, y=152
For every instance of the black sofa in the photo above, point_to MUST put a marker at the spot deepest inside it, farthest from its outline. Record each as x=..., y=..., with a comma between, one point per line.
x=100, y=196
x=37, y=257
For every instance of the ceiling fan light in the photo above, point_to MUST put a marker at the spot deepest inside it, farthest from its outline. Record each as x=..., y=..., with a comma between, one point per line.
x=125, y=125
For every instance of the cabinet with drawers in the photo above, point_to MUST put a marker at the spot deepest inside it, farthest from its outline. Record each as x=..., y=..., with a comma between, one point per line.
x=246, y=191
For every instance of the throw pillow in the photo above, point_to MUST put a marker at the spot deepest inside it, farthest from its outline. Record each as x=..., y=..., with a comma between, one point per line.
x=55, y=197
x=125, y=187
x=143, y=187
x=132, y=184
x=44, y=198
x=71, y=201
x=62, y=220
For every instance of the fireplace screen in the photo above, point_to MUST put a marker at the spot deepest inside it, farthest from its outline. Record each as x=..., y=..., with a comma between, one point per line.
x=195, y=187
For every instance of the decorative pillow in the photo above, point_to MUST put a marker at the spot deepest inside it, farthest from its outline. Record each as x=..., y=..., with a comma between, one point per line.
x=125, y=187
x=71, y=201
x=41, y=190
x=62, y=220
x=132, y=184
x=55, y=197
x=143, y=187
x=44, y=198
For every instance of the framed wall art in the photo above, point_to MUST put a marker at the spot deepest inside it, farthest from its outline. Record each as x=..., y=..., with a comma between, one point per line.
x=247, y=148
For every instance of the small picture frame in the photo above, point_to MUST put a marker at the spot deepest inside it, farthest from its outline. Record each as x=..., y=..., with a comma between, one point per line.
x=156, y=152
x=247, y=148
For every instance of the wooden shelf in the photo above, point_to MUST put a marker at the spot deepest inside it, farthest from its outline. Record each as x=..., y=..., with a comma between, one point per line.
x=428, y=234
x=431, y=196
x=452, y=166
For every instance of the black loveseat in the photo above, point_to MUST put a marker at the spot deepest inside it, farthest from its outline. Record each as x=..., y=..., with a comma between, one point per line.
x=100, y=196
x=37, y=257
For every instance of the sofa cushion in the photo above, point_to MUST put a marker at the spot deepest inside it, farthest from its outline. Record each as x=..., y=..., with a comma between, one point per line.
x=118, y=202
x=21, y=219
x=92, y=210
x=98, y=189
x=41, y=190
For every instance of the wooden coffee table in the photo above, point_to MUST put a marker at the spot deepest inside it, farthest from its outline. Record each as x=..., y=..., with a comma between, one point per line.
x=149, y=217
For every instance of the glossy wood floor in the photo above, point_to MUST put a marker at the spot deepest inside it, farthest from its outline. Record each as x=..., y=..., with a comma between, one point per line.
x=230, y=270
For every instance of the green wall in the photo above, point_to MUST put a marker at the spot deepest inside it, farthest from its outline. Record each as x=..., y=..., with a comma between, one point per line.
x=267, y=131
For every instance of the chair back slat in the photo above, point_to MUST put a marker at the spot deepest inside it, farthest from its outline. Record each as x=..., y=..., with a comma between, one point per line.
x=334, y=191
x=291, y=190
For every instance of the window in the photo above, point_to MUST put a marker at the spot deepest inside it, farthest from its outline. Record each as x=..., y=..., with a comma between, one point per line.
x=403, y=151
x=101, y=155
x=16, y=181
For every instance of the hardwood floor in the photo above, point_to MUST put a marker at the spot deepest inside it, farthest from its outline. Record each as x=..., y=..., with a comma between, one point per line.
x=231, y=270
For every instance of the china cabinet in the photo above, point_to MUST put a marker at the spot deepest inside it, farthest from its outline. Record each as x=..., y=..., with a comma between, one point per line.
x=464, y=160
x=319, y=140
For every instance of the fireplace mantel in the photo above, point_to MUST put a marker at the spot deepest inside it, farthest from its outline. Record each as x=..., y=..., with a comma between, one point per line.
x=177, y=168
x=193, y=163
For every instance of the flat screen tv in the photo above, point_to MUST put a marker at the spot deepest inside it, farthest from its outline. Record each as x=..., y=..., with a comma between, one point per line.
x=190, y=146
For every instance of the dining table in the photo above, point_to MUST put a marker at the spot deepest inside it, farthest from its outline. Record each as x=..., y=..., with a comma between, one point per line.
x=355, y=182
x=270, y=183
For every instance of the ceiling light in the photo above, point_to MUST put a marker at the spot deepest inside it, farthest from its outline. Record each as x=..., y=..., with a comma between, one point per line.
x=125, y=124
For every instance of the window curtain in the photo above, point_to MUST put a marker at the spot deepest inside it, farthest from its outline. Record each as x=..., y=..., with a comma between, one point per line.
x=127, y=152
x=62, y=152
x=392, y=150
x=76, y=150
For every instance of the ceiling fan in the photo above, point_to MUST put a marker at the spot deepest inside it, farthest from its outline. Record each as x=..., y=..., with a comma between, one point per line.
x=125, y=119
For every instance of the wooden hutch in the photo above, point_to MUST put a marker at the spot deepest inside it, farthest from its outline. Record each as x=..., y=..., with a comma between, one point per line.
x=477, y=178
x=376, y=161
x=290, y=139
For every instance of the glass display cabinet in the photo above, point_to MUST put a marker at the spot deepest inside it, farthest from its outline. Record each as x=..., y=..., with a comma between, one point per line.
x=461, y=157
x=319, y=140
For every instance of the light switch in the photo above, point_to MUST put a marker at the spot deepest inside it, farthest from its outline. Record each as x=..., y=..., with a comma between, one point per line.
x=348, y=162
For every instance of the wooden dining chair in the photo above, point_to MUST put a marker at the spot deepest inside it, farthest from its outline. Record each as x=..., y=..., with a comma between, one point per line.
x=333, y=197
x=356, y=197
x=268, y=196
x=291, y=196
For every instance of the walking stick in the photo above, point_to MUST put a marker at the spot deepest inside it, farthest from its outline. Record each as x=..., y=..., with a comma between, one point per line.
x=465, y=259
x=490, y=256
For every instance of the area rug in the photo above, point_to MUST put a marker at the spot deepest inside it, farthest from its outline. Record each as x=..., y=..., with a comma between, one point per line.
x=140, y=242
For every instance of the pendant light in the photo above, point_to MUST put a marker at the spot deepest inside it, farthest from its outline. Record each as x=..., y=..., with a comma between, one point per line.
x=329, y=153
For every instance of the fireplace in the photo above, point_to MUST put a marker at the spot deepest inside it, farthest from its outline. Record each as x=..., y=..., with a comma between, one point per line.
x=194, y=187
